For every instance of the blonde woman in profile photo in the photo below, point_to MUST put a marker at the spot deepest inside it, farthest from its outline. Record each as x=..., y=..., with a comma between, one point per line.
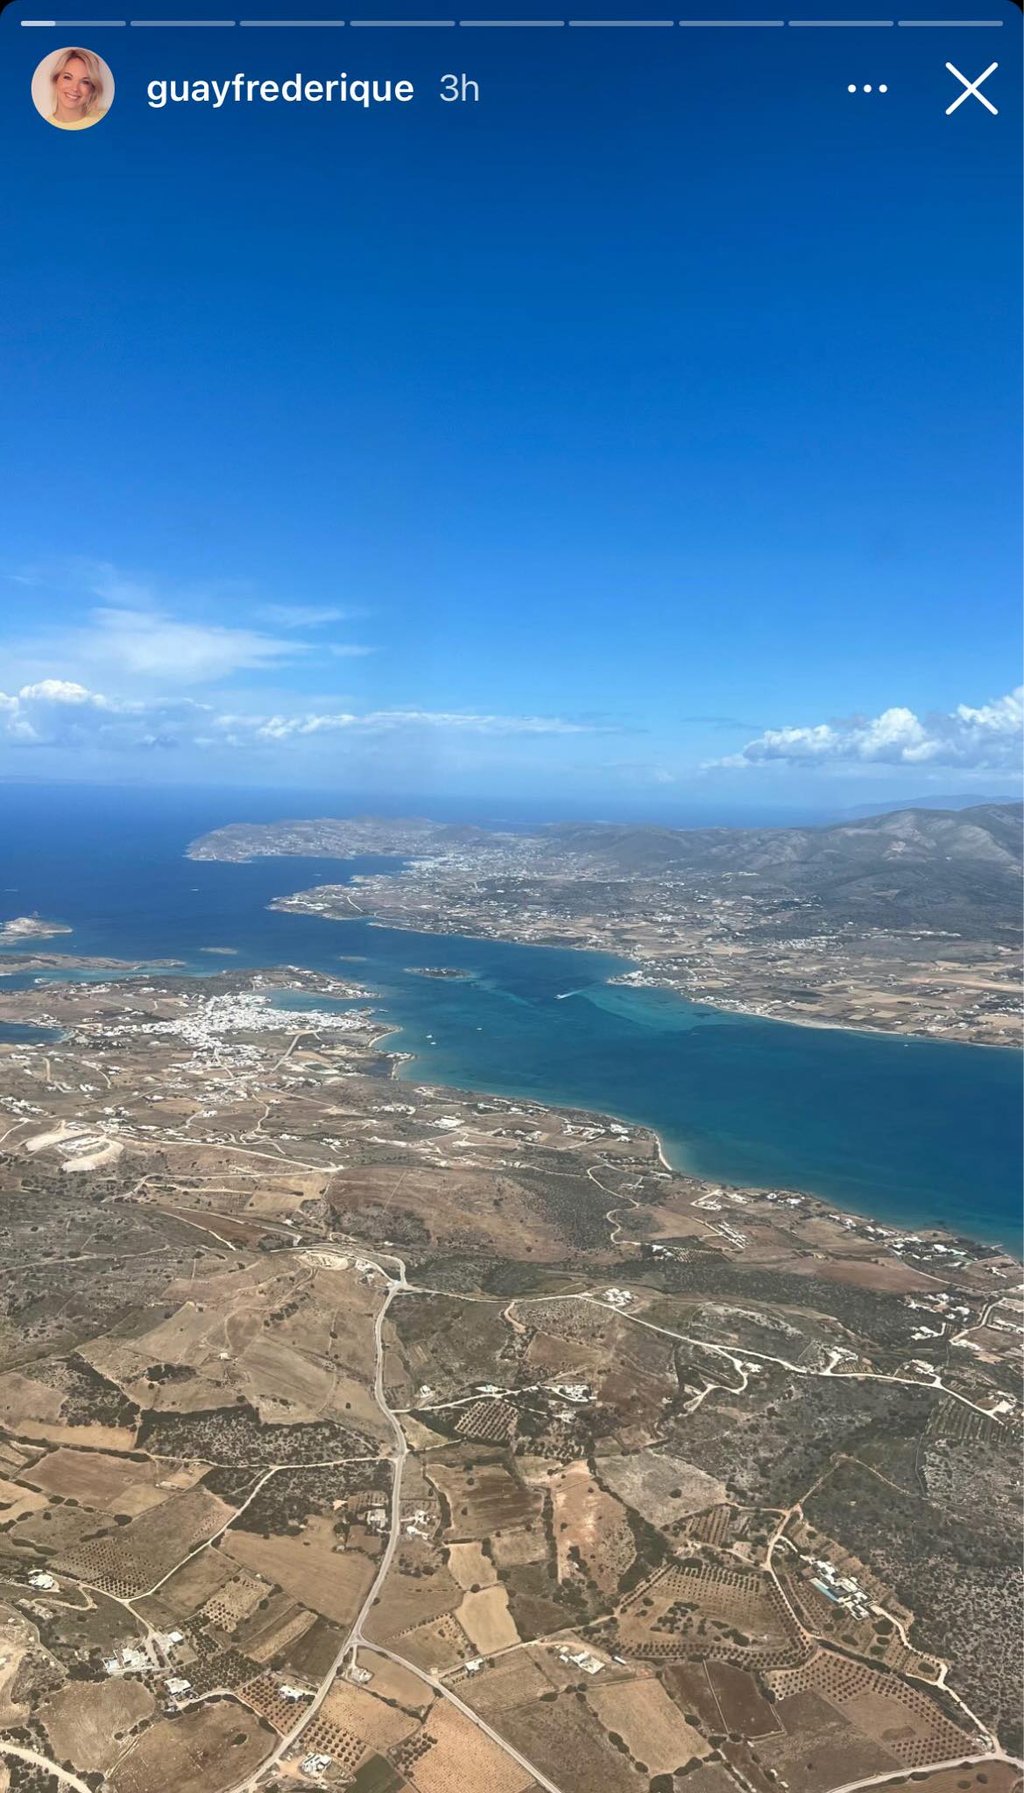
x=80, y=89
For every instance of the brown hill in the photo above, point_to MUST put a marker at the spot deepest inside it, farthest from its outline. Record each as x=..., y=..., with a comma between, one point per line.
x=956, y=869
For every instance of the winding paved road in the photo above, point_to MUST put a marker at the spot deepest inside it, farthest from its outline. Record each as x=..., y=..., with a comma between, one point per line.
x=355, y=1639
x=905, y=1774
x=467, y=1711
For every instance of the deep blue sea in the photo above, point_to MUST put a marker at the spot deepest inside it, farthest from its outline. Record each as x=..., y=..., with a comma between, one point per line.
x=916, y=1132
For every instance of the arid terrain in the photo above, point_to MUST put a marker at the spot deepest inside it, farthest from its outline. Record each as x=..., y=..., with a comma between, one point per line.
x=362, y=1434
x=906, y=923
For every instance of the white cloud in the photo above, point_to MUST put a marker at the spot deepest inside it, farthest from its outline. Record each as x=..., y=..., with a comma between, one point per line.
x=139, y=633
x=304, y=616
x=983, y=738
x=60, y=713
x=150, y=644
x=280, y=728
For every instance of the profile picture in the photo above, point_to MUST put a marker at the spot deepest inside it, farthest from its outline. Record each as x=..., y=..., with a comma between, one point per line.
x=72, y=89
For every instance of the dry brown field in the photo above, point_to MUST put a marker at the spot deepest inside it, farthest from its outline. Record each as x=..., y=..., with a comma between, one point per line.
x=311, y=1654
x=361, y=1711
x=711, y=1777
x=185, y=1592
x=560, y=1738
x=438, y=1646
x=115, y=1484
x=22, y=1399
x=470, y=1567
x=284, y=1383
x=547, y=1356
x=17, y=1502
x=87, y=1722
x=688, y=1684
x=216, y=1224
x=461, y=1757
x=299, y=1342
x=18, y=1411
x=650, y=1725
x=886, y=1275
x=993, y=1340
x=392, y=1682
x=205, y=1749
x=484, y=1501
x=518, y=1547
x=486, y=1620
x=418, y=1589
x=273, y=1633
x=14, y=1458
x=309, y=1568
x=594, y=1523
x=418, y=1436
x=514, y=1680
x=819, y=1749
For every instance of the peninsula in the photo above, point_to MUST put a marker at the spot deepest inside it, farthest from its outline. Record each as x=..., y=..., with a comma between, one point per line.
x=906, y=922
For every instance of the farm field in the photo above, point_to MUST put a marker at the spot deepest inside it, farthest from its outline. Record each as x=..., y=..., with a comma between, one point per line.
x=497, y=1467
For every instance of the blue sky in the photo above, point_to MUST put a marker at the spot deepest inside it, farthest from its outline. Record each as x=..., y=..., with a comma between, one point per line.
x=648, y=430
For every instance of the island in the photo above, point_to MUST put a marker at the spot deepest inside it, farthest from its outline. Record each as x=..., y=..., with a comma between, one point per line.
x=439, y=971
x=30, y=927
x=907, y=922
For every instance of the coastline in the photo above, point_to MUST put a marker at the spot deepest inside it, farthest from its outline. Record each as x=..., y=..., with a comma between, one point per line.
x=789, y=1020
x=780, y=1013
x=413, y=1067
x=673, y=1153
x=821, y=1204
x=857, y=1209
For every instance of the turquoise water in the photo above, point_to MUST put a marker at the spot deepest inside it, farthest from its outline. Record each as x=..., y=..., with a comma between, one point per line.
x=917, y=1132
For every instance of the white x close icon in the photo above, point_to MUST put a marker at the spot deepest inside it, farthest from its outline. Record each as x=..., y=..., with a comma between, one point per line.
x=971, y=87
